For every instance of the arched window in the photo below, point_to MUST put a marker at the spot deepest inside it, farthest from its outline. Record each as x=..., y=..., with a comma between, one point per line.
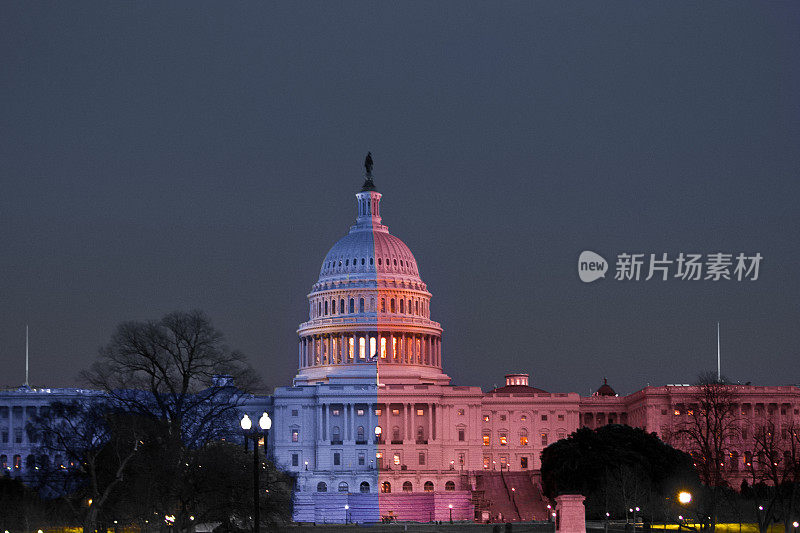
x=341, y=306
x=322, y=487
x=523, y=437
x=402, y=306
x=326, y=307
x=360, y=434
x=407, y=486
x=336, y=435
x=450, y=486
x=361, y=305
x=386, y=487
x=420, y=434
x=395, y=434
x=364, y=488
x=343, y=487
x=352, y=305
x=428, y=487
x=391, y=305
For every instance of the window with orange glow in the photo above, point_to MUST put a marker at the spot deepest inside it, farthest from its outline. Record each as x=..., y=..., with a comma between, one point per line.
x=523, y=440
x=486, y=440
x=503, y=439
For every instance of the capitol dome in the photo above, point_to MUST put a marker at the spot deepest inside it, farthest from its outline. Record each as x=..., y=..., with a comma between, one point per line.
x=369, y=311
x=367, y=251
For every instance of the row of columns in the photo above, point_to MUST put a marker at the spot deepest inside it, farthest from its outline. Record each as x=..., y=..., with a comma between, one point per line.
x=348, y=421
x=345, y=348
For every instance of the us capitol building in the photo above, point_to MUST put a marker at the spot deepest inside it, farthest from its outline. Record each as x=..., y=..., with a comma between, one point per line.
x=372, y=426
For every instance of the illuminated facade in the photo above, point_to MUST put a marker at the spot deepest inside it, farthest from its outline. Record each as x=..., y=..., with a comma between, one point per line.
x=374, y=429
x=372, y=426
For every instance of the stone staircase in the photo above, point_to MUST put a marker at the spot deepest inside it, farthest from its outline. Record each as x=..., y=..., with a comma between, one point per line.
x=524, y=503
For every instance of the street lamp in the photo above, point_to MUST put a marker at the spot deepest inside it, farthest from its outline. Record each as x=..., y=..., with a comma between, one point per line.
x=684, y=497
x=265, y=423
x=346, y=513
x=451, y=513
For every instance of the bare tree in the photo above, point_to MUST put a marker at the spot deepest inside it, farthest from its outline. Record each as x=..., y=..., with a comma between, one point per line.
x=776, y=462
x=176, y=369
x=178, y=372
x=91, y=447
x=708, y=432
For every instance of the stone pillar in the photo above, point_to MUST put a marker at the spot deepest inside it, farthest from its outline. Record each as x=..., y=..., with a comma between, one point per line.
x=570, y=514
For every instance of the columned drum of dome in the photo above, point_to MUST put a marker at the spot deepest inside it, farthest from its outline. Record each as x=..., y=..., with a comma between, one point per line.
x=369, y=311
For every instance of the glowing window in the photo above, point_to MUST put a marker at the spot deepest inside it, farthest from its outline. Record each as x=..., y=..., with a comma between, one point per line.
x=420, y=412
x=395, y=412
x=485, y=418
x=487, y=439
x=335, y=412
x=372, y=346
x=383, y=347
x=677, y=412
x=362, y=348
x=352, y=348
x=396, y=459
x=378, y=412
x=544, y=439
x=460, y=412
x=503, y=439
x=523, y=440
x=523, y=418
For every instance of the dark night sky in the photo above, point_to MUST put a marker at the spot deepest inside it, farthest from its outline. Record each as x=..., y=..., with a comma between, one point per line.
x=162, y=156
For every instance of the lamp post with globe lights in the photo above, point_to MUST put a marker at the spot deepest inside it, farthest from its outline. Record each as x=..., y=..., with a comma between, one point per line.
x=450, y=506
x=264, y=423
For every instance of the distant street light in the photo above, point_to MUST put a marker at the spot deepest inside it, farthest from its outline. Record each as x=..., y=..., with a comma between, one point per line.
x=684, y=497
x=265, y=423
x=346, y=513
x=451, y=513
